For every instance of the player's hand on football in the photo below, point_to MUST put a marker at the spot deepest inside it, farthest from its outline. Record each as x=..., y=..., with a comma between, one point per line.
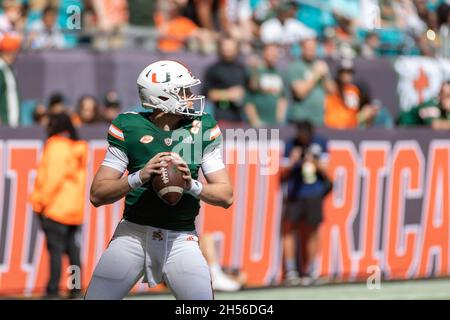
x=154, y=165
x=183, y=167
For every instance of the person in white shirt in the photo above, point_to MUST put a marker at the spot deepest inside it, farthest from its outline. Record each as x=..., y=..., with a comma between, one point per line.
x=284, y=29
x=45, y=33
x=11, y=17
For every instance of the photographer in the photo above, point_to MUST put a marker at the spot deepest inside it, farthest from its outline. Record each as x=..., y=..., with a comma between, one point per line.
x=305, y=173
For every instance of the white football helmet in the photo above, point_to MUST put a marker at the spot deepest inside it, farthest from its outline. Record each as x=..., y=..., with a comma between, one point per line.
x=165, y=85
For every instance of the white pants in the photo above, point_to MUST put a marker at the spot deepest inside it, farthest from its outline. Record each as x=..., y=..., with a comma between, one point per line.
x=155, y=253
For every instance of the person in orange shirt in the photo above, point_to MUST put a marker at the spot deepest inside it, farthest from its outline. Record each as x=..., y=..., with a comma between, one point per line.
x=343, y=106
x=177, y=31
x=58, y=196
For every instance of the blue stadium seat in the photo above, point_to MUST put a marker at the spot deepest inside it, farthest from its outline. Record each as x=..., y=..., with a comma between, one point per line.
x=312, y=17
x=315, y=14
x=70, y=35
x=392, y=40
x=26, y=112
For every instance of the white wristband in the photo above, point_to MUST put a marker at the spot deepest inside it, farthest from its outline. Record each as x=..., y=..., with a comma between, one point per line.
x=134, y=180
x=196, y=188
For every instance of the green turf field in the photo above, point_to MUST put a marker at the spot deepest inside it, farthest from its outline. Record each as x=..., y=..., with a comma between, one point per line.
x=417, y=289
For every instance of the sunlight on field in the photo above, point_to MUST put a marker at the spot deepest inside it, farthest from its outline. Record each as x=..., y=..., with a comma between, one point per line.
x=418, y=289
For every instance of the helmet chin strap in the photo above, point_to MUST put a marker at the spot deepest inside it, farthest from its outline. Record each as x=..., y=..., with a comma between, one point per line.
x=155, y=103
x=159, y=106
x=182, y=115
x=163, y=108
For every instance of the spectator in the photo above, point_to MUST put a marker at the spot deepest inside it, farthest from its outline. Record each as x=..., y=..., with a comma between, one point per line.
x=387, y=14
x=9, y=96
x=87, y=111
x=330, y=45
x=225, y=82
x=176, y=31
x=343, y=106
x=111, y=106
x=56, y=103
x=308, y=78
x=208, y=14
x=58, y=196
x=434, y=113
x=307, y=182
x=443, y=15
x=369, y=49
x=430, y=40
x=369, y=15
x=91, y=27
x=407, y=17
x=12, y=18
x=284, y=29
x=103, y=21
x=45, y=33
x=140, y=32
x=40, y=115
x=419, y=6
x=265, y=100
x=263, y=10
x=343, y=29
x=344, y=33
x=241, y=26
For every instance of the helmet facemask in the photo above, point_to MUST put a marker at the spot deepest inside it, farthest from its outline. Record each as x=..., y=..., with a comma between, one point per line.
x=189, y=103
x=183, y=101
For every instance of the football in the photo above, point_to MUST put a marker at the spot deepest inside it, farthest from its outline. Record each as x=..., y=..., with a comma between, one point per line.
x=169, y=185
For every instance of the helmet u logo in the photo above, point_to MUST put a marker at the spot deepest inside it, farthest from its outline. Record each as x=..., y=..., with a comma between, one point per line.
x=154, y=80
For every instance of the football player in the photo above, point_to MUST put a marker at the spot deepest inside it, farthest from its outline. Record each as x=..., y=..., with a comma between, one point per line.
x=154, y=239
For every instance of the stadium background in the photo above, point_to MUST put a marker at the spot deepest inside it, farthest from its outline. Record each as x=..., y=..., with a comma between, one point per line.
x=390, y=207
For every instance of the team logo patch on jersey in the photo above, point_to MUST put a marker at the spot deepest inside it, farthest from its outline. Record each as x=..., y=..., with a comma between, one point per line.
x=157, y=235
x=168, y=141
x=146, y=139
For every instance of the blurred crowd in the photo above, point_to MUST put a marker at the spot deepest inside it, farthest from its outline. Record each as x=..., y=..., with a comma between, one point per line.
x=250, y=37
x=88, y=110
x=344, y=28
x=256, y=92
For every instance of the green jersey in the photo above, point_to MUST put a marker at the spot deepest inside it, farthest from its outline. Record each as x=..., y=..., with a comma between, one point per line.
x=424, y=114
x=140, y=139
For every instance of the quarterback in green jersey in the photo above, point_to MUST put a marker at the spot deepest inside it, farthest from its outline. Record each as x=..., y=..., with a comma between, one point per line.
x=156, y=240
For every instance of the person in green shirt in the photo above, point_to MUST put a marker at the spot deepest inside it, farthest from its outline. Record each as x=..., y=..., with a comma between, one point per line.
x=140, y=31
x=308, y=79
x=265, y=102
x=9, y=96
x=434, y=113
